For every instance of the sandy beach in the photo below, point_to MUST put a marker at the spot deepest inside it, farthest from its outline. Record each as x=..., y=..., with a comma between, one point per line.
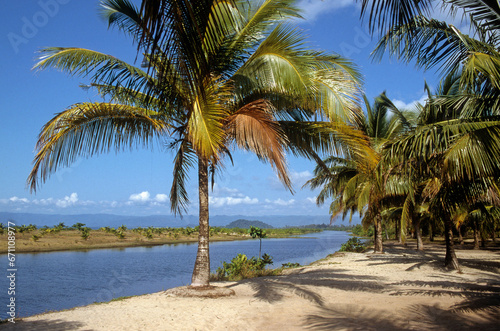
x=401, y=289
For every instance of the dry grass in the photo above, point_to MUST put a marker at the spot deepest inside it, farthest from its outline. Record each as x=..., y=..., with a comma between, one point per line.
x=72, y=240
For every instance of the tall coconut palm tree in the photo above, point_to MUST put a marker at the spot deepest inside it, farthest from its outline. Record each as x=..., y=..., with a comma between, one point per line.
x=354, y=182
x=217, y=75
x=460, y=134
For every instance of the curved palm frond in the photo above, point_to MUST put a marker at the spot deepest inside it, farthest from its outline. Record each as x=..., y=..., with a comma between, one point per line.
x=87, y=129
x=253, y=128
x=104, y=68
x=123, y=14
x=383, y=14
x=484, y=12
x=184, y=160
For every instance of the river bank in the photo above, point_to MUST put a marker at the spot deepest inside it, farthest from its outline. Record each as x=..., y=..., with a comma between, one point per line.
x=401, y=289
x=71, y=240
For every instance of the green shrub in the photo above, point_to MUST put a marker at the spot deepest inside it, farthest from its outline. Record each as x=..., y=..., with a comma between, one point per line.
x=353, y=245
x=241, y=267
x=85, y=232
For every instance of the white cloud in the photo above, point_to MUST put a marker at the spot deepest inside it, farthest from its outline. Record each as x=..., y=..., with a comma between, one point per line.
x=67, y=201
x=300, y=178
x=281, y=202
x=161, y=198
x=311, y=9
x=140, y=197
x=16, y=199
x=311, y=199
x=219, y=190
x=411, y=105
x=231, y=201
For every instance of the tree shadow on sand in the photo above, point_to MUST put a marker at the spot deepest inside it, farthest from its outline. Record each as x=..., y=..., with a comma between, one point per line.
x=417, y=317
x=52, y=325
x=273, y=289
x=478, y=309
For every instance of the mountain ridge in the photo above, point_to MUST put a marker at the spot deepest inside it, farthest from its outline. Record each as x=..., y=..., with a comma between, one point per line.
x=112, y=220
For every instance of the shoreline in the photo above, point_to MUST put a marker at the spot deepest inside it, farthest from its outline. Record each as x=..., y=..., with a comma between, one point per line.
x=398, y=290
x=72, y=242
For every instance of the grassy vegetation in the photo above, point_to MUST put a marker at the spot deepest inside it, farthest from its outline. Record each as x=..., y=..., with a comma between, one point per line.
x=242, y=267
x=29, y=238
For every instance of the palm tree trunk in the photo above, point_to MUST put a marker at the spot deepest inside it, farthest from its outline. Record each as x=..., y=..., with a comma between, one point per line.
x=397, y=231
x=201, y=272
x=450, y=261
x=476, y=236
x=460, y=236
x=416, y=227
x=378, y=235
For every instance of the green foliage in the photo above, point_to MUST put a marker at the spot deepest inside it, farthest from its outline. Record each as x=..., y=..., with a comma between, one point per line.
x=148, y=233
x=290, y=265
x=241, y=268
x=85, y=232
x=359, y=230
x=35, y=237
x=353, y=245
x=79, y=226
x=256, y=232
x=25, y=228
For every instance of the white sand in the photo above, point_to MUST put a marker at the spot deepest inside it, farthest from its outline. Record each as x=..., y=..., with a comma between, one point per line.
x=399, y=290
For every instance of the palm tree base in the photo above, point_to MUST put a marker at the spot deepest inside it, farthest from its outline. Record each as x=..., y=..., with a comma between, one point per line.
x=199, y=292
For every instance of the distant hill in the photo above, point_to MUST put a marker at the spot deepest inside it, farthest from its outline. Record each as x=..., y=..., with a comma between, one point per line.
x=100, y=220
x=245, y=224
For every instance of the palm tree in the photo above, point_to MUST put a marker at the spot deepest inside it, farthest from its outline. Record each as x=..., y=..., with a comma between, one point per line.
x=457, y=143
x=354, y=181
x=218, y=75
x=450, y=158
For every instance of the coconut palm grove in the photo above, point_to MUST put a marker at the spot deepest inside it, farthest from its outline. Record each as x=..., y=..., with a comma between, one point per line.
x=217, y=76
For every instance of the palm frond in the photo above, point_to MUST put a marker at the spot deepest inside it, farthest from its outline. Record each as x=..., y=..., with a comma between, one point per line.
x=87, y=129
x=383, y=14
x=485, y=12
x=253, y=128
x=184, y=160
x=104, y=68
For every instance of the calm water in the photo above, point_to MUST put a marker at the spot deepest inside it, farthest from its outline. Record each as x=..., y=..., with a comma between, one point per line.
x=61, y=280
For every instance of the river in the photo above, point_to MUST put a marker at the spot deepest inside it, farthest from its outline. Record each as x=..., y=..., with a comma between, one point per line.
x=62, y=280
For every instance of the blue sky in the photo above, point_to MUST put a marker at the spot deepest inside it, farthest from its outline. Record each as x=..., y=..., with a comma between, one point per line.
x=138, y=182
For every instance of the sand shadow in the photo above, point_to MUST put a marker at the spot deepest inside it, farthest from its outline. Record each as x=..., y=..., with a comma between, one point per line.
x=416, y=317
x=52, y=325
x=273, y=289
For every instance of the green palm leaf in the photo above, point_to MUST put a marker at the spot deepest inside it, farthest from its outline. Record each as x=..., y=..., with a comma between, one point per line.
x=87, y=129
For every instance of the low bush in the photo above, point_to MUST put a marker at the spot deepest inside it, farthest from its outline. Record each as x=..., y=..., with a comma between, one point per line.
x=241, y=267
x=353, y=245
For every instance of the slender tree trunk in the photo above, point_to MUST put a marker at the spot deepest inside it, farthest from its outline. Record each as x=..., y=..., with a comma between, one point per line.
x=431, y=231
x=450, y=260
x=201, y=272
x=460, y=235
x=397, y=226
x=378, y=235
x=493, y=234
x=416, y=227
x=483, y=239
x=476, y=236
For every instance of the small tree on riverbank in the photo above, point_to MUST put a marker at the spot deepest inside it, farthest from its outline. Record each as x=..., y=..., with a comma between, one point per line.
x=256, y=232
